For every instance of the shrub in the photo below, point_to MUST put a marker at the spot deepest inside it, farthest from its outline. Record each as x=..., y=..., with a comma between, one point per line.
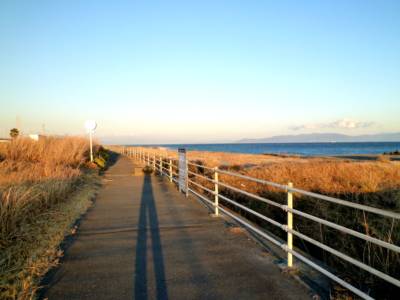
x=383, y=158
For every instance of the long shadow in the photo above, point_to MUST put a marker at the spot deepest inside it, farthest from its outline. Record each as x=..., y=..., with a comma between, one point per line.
x=148, y=222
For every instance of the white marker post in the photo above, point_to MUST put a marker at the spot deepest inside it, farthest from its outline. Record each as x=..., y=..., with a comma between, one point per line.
x=90, y=126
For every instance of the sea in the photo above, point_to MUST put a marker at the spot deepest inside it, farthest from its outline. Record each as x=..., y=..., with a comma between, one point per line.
x=305, y=149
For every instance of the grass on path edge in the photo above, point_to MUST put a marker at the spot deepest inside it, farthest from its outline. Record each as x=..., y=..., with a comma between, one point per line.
x=50, y=233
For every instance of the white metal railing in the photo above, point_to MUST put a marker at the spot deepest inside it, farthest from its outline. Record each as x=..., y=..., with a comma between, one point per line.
x=166, y=166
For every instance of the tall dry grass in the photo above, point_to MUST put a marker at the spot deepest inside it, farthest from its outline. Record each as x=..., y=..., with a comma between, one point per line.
x=27, y=160
x=37, y=178
x=329, y=176
x=323, y=175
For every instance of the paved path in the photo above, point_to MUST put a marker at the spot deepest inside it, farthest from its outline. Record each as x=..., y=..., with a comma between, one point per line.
x=145, y=240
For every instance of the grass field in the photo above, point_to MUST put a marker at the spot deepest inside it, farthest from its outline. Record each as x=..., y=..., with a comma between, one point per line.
x=44, y=187
x=318, y=174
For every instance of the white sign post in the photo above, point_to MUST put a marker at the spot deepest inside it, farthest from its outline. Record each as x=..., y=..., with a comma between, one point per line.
x=90, y=126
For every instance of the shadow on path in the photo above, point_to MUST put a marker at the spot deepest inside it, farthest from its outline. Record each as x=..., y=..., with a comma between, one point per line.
x=148, y=223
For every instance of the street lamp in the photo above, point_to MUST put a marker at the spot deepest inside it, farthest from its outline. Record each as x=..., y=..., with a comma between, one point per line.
x=90, y=126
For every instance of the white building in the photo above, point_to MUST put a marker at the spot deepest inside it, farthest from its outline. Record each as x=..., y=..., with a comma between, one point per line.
x=36, y=137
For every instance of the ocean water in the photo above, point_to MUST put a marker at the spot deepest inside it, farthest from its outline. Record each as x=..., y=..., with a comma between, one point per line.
x=308, y=149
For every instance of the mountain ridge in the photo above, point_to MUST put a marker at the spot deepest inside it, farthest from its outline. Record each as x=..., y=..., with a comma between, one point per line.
x=325, y=138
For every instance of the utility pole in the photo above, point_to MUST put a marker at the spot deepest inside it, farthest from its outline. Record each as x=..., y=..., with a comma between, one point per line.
x=18, y=123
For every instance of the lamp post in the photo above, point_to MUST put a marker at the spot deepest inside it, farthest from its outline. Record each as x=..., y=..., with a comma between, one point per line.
x=90, y=126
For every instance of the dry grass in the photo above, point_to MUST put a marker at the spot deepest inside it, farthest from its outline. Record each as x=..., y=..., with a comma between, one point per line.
x=43, y=188
x=383, y=158
x=213, y=159
x=27, y=160
x=323, y=175
x=331, y=177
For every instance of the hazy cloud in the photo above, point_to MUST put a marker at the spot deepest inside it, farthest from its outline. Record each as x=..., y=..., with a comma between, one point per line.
x=339, y=124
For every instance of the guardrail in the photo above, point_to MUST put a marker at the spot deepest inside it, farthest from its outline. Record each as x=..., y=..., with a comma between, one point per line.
x=167, y=166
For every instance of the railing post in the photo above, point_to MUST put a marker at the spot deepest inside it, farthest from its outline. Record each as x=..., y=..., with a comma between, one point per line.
x=161, y=165
x=148, y=159
x=187, y=177
x=216, y=205
x=154, y=162
x=170, y=170
x=179, y=176
x=289, y=225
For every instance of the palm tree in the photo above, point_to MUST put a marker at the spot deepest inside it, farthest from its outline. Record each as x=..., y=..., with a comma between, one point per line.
x=14, y=133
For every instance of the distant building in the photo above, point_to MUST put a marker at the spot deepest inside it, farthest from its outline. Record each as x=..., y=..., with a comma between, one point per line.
x=5, y=140
x=36, y=137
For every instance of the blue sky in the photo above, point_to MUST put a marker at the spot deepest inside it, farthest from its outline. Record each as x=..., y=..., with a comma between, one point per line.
x=200, y=71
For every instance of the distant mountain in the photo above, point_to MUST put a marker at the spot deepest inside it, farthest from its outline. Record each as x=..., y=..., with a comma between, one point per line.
x=326, y=138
